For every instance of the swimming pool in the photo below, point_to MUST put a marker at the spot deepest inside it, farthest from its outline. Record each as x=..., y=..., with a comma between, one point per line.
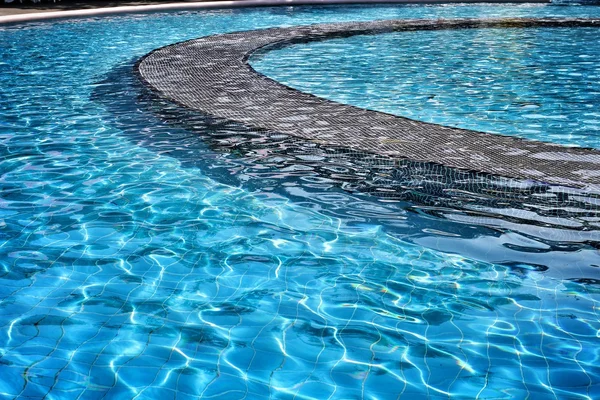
x=148, y=252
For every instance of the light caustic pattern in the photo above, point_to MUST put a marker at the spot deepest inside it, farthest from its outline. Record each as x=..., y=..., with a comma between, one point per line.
x=143, y=260
x=216, y=312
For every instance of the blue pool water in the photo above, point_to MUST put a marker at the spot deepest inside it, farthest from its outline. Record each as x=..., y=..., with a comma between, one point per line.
x=149, y=253
x=541, y=83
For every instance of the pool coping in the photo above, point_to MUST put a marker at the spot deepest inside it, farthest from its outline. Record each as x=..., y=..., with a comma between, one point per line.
x=183, y=6
x=211, y=75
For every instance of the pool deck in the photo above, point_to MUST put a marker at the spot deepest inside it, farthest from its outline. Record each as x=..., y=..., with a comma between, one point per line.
x=38, y=12
x=57, y=7
x=211, y=75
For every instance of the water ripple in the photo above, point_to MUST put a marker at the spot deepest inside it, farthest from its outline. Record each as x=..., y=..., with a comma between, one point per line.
x=146, y=258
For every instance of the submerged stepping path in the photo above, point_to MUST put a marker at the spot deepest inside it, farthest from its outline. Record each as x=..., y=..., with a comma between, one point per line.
x=211, y=75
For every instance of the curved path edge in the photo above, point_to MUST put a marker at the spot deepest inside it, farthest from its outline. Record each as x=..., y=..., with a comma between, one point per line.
x=211, y=75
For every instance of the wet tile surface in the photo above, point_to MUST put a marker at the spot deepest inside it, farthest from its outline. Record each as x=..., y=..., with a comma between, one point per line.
x=211, y=75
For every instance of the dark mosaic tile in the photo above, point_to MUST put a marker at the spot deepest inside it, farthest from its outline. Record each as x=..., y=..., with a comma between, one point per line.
x=211, y=75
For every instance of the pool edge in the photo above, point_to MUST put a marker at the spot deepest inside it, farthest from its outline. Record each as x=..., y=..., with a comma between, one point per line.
x=53, y=15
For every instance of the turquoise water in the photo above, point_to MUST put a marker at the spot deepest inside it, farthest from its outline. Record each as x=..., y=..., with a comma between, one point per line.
x=148, y=253
x=541, y=84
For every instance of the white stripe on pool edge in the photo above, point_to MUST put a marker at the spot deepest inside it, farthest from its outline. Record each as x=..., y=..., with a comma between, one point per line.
x=41, y=16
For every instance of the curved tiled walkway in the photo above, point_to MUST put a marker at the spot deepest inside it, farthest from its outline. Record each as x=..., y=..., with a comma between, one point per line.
x=211, y=75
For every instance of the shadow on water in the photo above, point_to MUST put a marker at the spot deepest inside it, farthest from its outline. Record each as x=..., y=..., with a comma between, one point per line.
x=523, y=224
